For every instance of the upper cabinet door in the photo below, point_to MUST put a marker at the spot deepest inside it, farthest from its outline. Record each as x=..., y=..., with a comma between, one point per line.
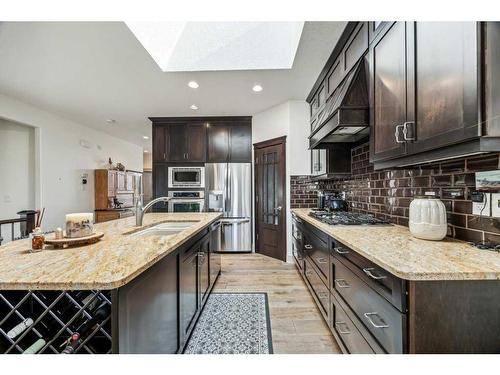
x=218, y=143
x=160, y=143
x=444, y=68
x=388, y=92
x=196, y=138
x=177, y=142
x=240, y=149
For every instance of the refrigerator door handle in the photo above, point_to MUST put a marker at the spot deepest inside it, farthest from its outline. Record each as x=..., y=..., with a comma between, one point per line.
x=229, y=192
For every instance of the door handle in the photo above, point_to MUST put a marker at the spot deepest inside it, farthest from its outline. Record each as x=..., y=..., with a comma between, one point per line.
x=345, y=332
x=368, y=317
x=321, y=260
x=341, y=283
x=405, y=131
x=322, y=294
x=339, y=250
x=368, y=271
x=277, y=209
x=396, y=134
x=308, y=247
x=239, y=221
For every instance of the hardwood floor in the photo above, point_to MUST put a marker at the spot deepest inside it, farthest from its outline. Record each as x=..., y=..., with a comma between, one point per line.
x=296, y=324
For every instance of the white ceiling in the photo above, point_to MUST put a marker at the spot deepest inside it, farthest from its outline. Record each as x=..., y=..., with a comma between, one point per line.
x=89, y=72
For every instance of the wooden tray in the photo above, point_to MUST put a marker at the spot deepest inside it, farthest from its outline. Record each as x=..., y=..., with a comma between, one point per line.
x=66, y=242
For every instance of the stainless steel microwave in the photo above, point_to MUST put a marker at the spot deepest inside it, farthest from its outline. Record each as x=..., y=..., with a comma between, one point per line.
x=186, y=177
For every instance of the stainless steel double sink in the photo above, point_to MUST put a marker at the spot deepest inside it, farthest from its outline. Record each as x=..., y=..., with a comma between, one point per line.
x=165, y=229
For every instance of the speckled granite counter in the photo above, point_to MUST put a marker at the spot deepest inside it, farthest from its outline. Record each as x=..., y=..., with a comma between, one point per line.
x=396, y=250
x=107, y=264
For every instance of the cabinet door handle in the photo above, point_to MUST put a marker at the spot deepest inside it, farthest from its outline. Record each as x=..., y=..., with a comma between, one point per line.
x=339, y=250
x=322, y=260
x=368, y=317
x=369, y=272
x=341, y=283
x=396, y=134
x=308, y=247
x=164, y=156
x=322, y=294
x=343, y=332
x=405, y=131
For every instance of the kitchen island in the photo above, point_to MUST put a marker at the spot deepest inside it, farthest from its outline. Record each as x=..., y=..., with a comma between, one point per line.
x=383, y=291
x=131, y=292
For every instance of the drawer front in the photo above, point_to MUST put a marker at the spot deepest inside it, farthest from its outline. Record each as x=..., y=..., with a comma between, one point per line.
x=348, y=331
x=320, y=290
x=297, y=228
x=392, y=288
x=317, y=251
x=384, y=321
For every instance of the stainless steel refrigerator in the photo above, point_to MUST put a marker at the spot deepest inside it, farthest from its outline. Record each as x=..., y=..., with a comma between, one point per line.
x=229, y=190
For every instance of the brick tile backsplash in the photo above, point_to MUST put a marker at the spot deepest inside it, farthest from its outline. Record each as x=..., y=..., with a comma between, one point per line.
x=387, y=194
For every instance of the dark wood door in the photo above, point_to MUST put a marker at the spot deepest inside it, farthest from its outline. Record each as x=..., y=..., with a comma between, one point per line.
x=177, y=141
x=196, y=138
x=218, y=143
x=240, y=144
x=270, y=201
x=388, y=92
x=443, y=66
x=160, y=143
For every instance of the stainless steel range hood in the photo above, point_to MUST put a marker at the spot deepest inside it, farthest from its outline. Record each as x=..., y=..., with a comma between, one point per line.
x=345, y=117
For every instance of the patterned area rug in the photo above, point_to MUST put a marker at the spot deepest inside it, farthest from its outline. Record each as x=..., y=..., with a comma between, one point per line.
x=233, y=323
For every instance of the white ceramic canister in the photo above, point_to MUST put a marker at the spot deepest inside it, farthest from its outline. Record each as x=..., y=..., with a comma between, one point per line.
x=428, y=218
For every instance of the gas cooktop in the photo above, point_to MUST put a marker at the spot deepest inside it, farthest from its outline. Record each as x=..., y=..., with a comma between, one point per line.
x=347, y=218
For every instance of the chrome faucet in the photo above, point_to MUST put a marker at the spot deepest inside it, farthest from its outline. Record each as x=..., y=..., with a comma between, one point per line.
x=140, y=211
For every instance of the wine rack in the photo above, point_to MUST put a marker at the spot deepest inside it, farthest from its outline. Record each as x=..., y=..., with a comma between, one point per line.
x=55, y=317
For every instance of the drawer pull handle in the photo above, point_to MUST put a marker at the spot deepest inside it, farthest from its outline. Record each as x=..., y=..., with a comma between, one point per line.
x=322, y=260
x=322, y=294
x=343, y=332
x=369, y=272
x=341, y=283
x=368, y=316
x=341, y=251
x=308, y=247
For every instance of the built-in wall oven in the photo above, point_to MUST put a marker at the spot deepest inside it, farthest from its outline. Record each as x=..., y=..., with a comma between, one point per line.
x=186, y=201
x=186, y=177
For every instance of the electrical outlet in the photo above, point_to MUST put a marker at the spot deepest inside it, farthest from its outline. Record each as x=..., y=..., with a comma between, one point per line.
x=481, y=204
x=495, y=204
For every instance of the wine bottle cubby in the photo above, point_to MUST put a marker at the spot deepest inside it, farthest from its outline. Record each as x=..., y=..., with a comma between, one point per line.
x=54, y=322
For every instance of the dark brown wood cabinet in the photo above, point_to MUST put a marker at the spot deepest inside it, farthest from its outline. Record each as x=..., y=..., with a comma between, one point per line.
x=388, y=92
x=424, y=90
x=229, y=142
x=201, y=139
x=218, y=143
x=373, y=311
x=160, y=143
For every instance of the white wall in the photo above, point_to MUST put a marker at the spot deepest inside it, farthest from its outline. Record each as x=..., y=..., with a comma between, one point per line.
x=291, y=119
x=17, y=166
x=60, y=159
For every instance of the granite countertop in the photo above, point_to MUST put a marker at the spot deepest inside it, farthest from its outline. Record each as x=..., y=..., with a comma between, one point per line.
x=108, y=264
x=397, y=251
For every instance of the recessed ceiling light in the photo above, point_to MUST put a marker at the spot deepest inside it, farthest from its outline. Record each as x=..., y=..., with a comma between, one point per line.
x=145, y=137
x=193, y=84
x=257, y=88
x=194, y=107
x=111, y=121
x=146, y=151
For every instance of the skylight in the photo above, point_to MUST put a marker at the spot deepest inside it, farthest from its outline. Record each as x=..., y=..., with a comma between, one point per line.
x=210, y=46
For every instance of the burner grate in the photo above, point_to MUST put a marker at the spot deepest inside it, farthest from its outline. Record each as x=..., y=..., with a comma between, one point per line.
x=347, y=218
